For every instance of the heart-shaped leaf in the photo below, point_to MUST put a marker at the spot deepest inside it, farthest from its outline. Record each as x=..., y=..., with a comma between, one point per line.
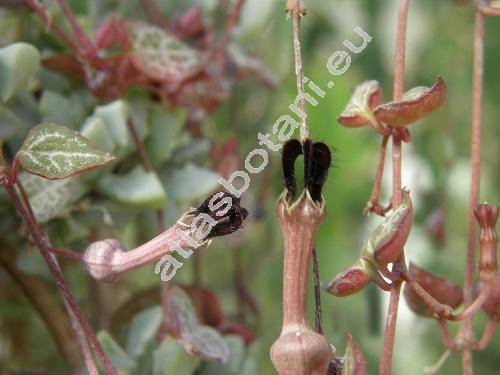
x=116, y=354
x=354, y=360
x=160, y=55
x=359, y=109
x=171, y=358
x=136, y=188
x=414, y=105
x=18, y=63
x=441, y=289
x=199, y=340
x=190, y=182
x=142, y=330
x=53, y=151
x=50, y=199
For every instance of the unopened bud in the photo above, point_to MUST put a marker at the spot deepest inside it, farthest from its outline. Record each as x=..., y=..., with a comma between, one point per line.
x=100, y=258
x=486, y=216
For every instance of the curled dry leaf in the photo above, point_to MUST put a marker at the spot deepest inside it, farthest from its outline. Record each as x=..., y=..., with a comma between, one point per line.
x=354, y=360
x=386, y=242
x=359, y=110
x=53, y=151
x=199, y=340
x=439, y=288
x=352, y=280
x=414, y=105
x=492, y=303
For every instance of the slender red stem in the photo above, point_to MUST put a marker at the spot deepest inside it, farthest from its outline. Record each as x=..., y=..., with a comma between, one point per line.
x=41, y=11
x=44, y=248
x=390, y=328
x=475, y=151
x=77, y=30
x=488, y=334
x=373, y=204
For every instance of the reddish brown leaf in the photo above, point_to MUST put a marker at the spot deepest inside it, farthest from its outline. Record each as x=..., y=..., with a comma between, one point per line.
x=359, y=109
x=414, y=105
x=350, y=281
x=439, y=288
x=354, y=360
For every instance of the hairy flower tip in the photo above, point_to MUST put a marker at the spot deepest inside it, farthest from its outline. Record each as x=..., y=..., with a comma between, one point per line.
x=386, y=242
x=224, y=212
x=99, y=259
x=359, y=110
x=492, y=303
x=442, y=290
x=317, y=161
x=414, y=105
x=487, y=216
x=352, y=280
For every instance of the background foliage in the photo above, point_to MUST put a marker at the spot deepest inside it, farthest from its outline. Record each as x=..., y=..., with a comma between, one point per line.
x=111, y=203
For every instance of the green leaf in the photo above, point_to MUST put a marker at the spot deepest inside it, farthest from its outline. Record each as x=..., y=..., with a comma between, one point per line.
x=115, y=116
x=233, y=366
x=10, y=123
x=95, y=130
x=171, y=358
x=202, y=341
x=136, y=188
x=164, y=127
x=190, y=182
x=18, y=63
x=59, y=109
x=48, y=198
x=53, y=151
x=142, y=330
x=116, y=354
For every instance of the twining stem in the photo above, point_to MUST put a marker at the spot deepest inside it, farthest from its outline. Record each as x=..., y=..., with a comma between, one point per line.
x=488, y=334
x=296, y=11
x=41, y=242
x=475, y=151
x=77, y=30
x=445, y=332
x=392, y=313
x=373, y=204
x=41, y=11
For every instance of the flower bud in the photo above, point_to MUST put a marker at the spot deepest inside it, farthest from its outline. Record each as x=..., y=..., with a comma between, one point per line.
x=99, y=259
x=442, y=290
x=486, y=216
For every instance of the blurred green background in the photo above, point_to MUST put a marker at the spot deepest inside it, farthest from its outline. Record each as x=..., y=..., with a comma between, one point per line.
x=435, y=168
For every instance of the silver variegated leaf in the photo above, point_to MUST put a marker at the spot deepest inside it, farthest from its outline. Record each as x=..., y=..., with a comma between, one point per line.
x=53, y=151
